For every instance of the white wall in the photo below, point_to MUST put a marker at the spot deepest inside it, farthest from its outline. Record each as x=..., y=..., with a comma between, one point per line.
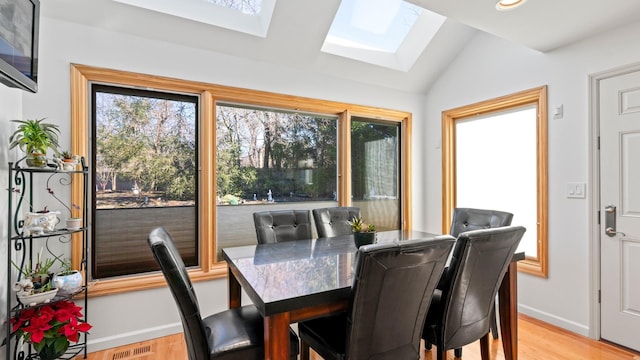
x=490, y=67
x=10, y=109
x=137, y=316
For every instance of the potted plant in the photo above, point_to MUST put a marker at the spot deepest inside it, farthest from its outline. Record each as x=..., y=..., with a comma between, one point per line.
x=34, y=137
x=50, y=328
x=67, y=281
x=68, y=161
x=363, y=234
x=73, y=223
x=35, y=286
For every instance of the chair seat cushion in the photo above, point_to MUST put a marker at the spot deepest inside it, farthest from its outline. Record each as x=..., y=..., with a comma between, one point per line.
x=239, y=334
x=326, y=335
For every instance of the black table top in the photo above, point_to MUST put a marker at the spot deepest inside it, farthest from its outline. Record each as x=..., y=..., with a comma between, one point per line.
x=297, y=274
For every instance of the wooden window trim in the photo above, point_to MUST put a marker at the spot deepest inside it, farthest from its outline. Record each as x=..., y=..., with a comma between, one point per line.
x=81, y=78
x=537, y=96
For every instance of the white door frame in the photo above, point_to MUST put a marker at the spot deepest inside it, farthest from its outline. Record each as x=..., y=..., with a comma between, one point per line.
x=594, y=203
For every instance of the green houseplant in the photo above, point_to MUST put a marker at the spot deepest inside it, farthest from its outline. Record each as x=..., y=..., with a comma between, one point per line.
x=35, y=286
x=39, y=273
x=34, y=137
x=363, y=233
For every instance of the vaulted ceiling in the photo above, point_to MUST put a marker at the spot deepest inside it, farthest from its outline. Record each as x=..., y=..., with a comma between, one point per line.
x=298, y=29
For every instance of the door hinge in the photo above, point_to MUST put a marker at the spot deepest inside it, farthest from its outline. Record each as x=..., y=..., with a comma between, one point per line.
x=598, y=217
x=599, y=293
x=598, y=142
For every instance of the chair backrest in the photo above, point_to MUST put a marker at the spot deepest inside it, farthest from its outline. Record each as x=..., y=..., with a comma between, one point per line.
x=334, y=221
x=468, y=299
x=467, y=219
x=175, y=273
x=392, y=289
x=282, y=225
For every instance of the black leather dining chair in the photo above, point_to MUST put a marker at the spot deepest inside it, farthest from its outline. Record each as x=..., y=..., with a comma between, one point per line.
x=461, y=312
x=282, y=225
x=334, y=221
x=234, y=334
x=467, y=219
x=391, y=291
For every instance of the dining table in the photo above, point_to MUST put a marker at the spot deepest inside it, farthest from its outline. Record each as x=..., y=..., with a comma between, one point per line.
x=300, y=280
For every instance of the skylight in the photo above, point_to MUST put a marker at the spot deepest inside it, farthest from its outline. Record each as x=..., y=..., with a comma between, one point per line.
x=250, y=7
x=389, y=33
x=381, y=25
x=247, y=16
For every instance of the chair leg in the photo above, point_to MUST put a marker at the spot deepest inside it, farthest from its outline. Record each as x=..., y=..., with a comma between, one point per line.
x=494, y=322
x=427, y=345
x=457, y=352
x=484, y=347
x=304, y=350
x=442, y=354
x=494, y=326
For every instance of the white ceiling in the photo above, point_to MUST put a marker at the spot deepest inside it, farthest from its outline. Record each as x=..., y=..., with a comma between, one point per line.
x=298, y=29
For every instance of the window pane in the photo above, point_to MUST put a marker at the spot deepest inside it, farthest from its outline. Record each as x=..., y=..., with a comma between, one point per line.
x=269, y=160
x=510, y=137
x=145, y=171
x=375, y=172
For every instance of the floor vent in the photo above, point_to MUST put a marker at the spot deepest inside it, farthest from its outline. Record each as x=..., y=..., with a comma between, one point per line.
x=132, y=352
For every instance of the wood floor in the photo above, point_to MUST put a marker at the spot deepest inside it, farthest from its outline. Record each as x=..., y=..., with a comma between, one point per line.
x=537, y=341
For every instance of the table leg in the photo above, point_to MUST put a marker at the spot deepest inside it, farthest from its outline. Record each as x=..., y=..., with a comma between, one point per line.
x=508, y=304
x=276, y=337
x=234, y=291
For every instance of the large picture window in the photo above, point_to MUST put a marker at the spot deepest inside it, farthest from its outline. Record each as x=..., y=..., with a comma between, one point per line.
x=200, y=158
x=145, y=167
x=268, y=160
x=495, y=157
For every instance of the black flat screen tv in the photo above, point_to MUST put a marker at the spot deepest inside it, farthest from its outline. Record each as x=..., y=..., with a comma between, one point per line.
x=19, y=22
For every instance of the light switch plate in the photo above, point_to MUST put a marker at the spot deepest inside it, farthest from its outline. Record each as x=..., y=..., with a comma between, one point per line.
x=576, y=190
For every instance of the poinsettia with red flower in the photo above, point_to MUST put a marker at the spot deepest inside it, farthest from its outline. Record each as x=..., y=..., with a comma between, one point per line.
x=52, y=326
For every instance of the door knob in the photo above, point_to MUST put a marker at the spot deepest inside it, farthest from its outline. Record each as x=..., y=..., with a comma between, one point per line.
x=610, y=221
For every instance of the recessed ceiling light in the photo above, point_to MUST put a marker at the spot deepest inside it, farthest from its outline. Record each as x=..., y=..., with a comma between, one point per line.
x=509, y=4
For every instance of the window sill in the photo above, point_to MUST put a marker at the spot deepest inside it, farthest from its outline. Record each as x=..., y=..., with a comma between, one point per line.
x=150, y=281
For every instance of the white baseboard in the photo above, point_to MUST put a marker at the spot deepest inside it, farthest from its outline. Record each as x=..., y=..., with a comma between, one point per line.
x=99, y=344
x=569, y=325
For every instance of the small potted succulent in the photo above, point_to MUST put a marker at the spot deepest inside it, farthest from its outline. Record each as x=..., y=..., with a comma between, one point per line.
x=73, y=223
x=363, y=234
x=67, y=281
x=68, y=161
x=34, y=137
x=35, y=286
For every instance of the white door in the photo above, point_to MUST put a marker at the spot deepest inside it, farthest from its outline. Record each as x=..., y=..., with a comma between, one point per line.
x=620, y=188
